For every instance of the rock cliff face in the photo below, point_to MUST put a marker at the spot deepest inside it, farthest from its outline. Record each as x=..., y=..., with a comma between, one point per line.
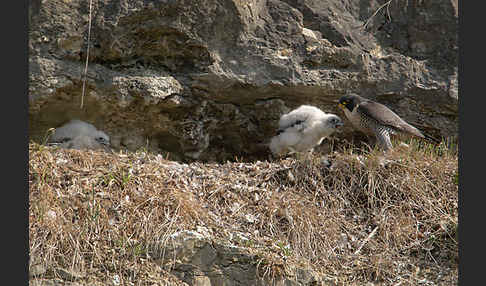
x=199, y=261
x=208, y=79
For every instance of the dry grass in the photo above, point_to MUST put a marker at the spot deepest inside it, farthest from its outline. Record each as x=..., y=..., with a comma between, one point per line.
x=358, y=221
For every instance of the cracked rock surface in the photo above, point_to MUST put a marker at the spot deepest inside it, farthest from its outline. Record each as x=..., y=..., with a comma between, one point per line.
x=208, y=80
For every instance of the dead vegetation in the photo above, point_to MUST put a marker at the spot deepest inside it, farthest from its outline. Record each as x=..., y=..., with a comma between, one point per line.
x=364, y=219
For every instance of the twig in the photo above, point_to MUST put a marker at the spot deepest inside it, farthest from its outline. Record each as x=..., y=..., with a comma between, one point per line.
x=376, y=12
x=238, y=209
x=373, y=232
x=87, y=53
x=49, y=132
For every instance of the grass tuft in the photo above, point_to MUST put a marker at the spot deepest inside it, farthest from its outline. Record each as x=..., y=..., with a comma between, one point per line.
x=369, y=217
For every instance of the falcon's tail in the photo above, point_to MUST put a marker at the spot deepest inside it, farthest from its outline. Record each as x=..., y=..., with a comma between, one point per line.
x=426, y=136
x=430, y=138
x=419, y=133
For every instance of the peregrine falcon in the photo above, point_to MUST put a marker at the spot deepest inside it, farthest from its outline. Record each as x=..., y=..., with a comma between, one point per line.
x=302, y=129
x=77, y=134
x=375, y=119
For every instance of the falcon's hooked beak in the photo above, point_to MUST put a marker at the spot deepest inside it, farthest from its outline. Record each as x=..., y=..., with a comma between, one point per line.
x=338, y=124
x=341, y=106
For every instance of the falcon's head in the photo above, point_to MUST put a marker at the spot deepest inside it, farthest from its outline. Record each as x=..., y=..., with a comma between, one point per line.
x=102, y=138
x=349, y=101
x=333, y=121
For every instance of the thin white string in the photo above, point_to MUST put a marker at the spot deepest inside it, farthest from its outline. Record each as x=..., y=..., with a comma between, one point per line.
x=87, y=54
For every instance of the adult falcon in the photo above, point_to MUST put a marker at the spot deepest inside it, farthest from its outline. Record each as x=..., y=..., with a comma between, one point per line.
x=375, y=119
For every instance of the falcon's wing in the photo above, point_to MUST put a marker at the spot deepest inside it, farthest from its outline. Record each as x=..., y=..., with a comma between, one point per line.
x=61, y=135
x=299, y=118
x=297, y=124
x=386, y=116
x=73, y=129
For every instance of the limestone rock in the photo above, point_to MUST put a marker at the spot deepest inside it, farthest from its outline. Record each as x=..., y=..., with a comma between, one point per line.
x=37, y=270
x=68, y=274
x=208, y=80
x=200, y=260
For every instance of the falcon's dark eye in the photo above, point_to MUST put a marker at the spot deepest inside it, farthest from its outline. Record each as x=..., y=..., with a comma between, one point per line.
x=102, y=140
